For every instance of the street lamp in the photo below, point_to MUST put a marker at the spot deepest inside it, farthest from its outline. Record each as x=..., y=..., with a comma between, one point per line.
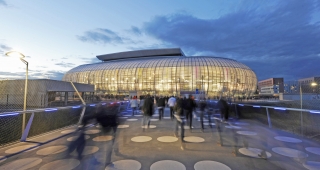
x=21, y=56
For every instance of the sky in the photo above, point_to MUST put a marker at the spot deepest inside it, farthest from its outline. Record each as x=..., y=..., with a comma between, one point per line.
x=275, y=38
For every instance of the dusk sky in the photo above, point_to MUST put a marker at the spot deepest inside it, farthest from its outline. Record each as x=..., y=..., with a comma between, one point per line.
x=276, y=38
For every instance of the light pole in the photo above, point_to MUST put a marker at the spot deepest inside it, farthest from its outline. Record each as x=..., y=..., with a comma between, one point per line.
x=21, y=56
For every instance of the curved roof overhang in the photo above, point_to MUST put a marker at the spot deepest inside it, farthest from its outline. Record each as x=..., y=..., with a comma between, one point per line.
x=142, y=54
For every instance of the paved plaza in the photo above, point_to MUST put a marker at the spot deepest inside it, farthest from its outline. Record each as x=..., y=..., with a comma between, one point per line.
x=237, y=146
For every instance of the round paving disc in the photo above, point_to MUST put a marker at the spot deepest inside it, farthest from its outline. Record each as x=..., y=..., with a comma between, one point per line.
x=90, y=132
x=187, y=127
x=287, y=139
x=206, y=165
x=124, y=164
x=22, y=164
x=21, y=148
x=313, y=150
x=73, y=138
x=87, y=150
x=131, y=120
x=166, y=117
x=248, y=133
x=289, y=152
x=167, y=139
x=167, y=164
x=193, y=139
x=206, y=123
x=123, y=126
x=253, y=152
x=150, y=126
x=123, y=117
x=65, y=164
x=102, y=138
x=233, y=127
x=205, y=120
x=154, y=120
x=141, y=139
x=311, y=165
x=68, y=131
x=52, y=150
x=241, y=123
x=2, y=158
x=138, y=115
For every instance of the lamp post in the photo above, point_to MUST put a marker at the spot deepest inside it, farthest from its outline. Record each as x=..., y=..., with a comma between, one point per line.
x=21, y=56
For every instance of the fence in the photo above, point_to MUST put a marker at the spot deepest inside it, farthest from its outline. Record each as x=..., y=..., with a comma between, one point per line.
x=41, y=121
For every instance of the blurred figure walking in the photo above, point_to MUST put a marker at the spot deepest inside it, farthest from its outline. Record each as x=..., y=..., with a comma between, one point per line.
x=172, y=103
x=179, y=121
x=202, y=107
x=189, y=107
x=161, y=105
x=224, y=109
x=147, y=111
x=134, y=104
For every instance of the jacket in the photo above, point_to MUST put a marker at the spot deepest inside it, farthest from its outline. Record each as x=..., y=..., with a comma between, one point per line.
x=148, y=107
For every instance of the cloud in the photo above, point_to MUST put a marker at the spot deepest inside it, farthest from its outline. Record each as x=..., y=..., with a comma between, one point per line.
x=4, y=48
x=64, y=64
x=274, y=40
x=90, y=60
x=3, y=3
x=101, y=35
x=135, y=30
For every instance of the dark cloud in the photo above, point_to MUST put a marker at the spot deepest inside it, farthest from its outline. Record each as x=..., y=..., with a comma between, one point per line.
x=101, y=35
x=135, y=30
x=279, y=41
x=3, y=3
x=90, y=60
x=4, y=48
x=64, y=64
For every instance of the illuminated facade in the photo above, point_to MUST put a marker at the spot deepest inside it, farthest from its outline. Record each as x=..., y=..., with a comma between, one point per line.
x=166, y=72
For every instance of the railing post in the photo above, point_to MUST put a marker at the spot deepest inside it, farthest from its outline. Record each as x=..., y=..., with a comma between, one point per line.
x=82, y=114
x=236, y=111
x=269, y=121
x=26, y=130
x=301, y=122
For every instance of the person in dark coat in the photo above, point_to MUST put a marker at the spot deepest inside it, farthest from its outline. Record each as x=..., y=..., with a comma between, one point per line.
x=161, y=105
x=224, y=109
x=190, y=105
x=147, y=111
x=178, y=115
x=202, y=107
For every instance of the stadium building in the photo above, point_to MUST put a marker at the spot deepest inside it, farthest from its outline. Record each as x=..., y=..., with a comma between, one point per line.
x=165, y=72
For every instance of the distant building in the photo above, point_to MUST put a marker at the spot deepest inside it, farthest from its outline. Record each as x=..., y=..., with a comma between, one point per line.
x=271, y=87
x=41, y=93
x=310, y=89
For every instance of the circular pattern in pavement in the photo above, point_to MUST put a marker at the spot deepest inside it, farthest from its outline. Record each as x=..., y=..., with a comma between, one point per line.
x=102, y=138
x=205, y=120
x=287, y=139
x=22, y=164
x=193, y=139
x=124, y=164
x=253, y=152
x=233, y=127
x=313, y=150
x=153, y=120
x=248, y=133
x=241, y=123
x=52, y=150
x=150, y=126
x=167, y=164
x=68, y=131
x=186, y=127
x=87, y=150
x=166, y=117
x=167, y=139
x=65, y=164
x=123, y=117
x=2, y=158
x=138, y=115
x=293, y=153
x=208, y=123
x=141, y=139
x=73, y=138
x=206, y=165
x=312, y=165
x=123, y=126
x=131, y=120
x=21, y=148
x=90, y=132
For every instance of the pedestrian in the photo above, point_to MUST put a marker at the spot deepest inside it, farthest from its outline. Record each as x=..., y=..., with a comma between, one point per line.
x=202, y=107
x=189, y=107
x=134, y=104
x=224, y=109
x=171, y=103
x=161, y=105
x=147, y=111
x=178, y=108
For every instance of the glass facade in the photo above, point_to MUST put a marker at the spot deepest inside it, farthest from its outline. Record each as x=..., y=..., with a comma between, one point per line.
x=170, y=75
